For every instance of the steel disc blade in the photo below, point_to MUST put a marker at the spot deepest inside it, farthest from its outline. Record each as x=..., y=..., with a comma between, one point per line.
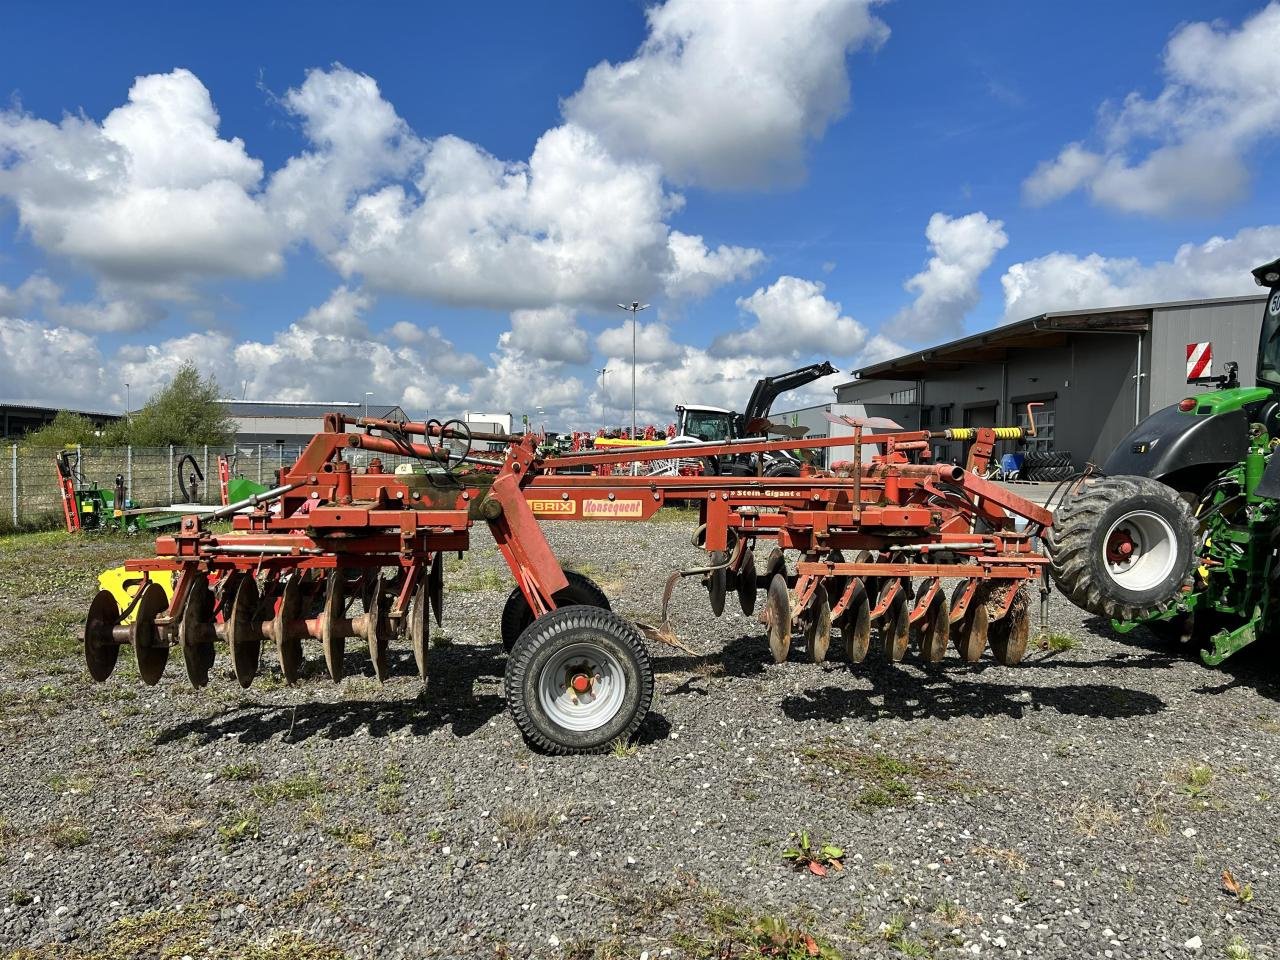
x=775, y=563
x=289, y=611
x=420, y=628
x=378, y=631
x=932, y=633
x=817, y=630
x=747, y=582
x=100, y=649
x=332, y=639
x=1009, y=634
x=435, y=588
x=778, y=618
x=193, y=632
x=895, y=634
x=855, y=625
x=151, y=652
x=717, y=582
x=244, y=633
x=969, y=634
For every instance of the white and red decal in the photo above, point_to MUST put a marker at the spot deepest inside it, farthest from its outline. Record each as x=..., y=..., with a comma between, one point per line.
x=1199, y=359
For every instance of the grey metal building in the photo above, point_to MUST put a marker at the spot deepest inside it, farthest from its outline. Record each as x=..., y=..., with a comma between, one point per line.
x=1095, y=372
x=892, y=400
x=19, y=417
x=293, y=423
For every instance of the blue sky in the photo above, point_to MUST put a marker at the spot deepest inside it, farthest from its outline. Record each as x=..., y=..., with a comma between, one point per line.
x=489, y=179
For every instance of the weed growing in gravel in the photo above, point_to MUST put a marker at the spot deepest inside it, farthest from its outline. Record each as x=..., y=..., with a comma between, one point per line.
x=888, y=775
x=20, y=898
x=391, y=790
x=524, y=824
x=485, y=580
x=1196, y=780
x=952, y=914
x=813, y=855
x=1093, y=817
x=623, y=749
x=351, y=835
x=1057, y=642
x=1243, y=892
x=1011, y=859
x=289, y=946
x=1237, y=949
x=248, y=770
x=733, y=932
x=68, y=835
x=303, y=787
x=239, y=829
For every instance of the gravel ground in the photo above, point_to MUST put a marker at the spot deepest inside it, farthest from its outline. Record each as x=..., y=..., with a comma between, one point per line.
x=1086, y=803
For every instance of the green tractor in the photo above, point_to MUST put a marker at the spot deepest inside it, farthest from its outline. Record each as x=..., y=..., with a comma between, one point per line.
x=1180, y=531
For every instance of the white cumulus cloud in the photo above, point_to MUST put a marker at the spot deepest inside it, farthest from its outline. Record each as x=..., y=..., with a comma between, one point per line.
x=1187, y=149
x=1219, y=267
x=728, y=94
x=550, y=334
x=152, y=195
x=792, y=318
x=947, y=288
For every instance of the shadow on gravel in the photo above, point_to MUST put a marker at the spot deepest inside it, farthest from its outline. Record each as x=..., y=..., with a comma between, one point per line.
x=1253, y=667
x=938, y=696
x=447, y=701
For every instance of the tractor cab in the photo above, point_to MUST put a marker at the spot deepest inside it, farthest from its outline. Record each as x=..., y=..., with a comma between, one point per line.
x=1268, y=375
x=707, y=424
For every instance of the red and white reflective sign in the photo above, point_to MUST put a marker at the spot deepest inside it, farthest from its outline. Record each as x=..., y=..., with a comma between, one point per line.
x=1199, y=360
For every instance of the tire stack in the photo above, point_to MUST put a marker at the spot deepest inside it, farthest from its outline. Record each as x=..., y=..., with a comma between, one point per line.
x=1048, y=466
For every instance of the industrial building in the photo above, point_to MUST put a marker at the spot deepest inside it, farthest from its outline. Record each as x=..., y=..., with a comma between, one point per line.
x=294, y=423
x=1095, y=373
x=891, y=400
x=19, y=417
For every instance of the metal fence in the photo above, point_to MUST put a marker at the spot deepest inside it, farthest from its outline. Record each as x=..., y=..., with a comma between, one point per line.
x=29, y=494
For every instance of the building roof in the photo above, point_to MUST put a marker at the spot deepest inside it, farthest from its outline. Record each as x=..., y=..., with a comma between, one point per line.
x=55, y=407
x=1045, y=330
x=307, y=408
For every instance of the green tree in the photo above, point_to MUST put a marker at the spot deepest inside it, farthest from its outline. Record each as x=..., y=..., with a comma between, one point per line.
x=184, y=413
x=67, y=430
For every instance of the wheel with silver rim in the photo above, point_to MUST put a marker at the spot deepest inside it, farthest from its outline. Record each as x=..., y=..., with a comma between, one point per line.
x=1122, y=547
x=579, y=680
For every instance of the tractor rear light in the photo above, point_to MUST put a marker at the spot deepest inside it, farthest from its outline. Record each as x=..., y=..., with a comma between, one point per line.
x=1187, y=405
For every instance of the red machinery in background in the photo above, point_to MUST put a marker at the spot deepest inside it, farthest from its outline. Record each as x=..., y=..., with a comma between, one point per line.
x=578, y=677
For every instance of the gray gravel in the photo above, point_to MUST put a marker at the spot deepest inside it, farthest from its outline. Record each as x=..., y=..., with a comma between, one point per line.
x=1086, y=803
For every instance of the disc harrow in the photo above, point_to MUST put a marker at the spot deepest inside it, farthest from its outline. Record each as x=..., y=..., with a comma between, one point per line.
x=336, y=554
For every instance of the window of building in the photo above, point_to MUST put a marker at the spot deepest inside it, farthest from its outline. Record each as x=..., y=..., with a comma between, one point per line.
x=944, y=415
x=903, y=396
x=1046, y=417
x=926, y=417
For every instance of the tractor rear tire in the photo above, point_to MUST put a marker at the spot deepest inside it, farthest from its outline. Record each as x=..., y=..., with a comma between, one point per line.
x=516, y=615
x=579, y=680
x=1122, y=547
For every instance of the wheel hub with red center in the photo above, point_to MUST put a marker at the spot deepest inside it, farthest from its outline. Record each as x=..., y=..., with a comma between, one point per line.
x=1120, y=546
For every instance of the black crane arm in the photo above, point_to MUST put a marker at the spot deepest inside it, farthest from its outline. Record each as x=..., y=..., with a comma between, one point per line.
x=768, y=389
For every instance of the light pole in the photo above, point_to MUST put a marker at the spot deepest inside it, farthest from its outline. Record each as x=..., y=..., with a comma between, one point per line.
x=127, y=404
x=635, y=307
x=367, y=395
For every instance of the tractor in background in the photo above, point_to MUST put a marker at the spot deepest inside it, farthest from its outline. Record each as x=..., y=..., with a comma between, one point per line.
x=1180, y=531
x=702, y=424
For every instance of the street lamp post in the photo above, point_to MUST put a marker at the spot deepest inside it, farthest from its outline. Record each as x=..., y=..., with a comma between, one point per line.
x=127, y=403
x=367, y=395
x=635, y=307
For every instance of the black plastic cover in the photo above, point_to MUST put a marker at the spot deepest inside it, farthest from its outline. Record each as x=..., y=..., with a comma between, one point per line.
x=1269, y=485
x=1170, y=440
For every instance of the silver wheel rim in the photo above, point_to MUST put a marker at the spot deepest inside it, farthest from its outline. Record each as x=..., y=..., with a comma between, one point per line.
x=584, y=710
x=1153, y=550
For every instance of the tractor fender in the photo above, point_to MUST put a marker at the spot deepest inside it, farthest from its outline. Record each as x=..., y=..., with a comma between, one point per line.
x=1171, y=441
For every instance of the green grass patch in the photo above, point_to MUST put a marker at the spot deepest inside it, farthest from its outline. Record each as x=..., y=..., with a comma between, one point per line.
x=1058, y=642
x=68, y=835
x=887, y=780
x=304, y=787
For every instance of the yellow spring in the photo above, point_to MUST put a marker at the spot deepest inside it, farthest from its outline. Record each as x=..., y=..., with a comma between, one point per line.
x=968, y=433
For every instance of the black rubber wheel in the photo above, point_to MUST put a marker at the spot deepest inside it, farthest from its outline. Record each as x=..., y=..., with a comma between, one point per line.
x=516, y=615
x=782, y=470
x=579, y=680
x=1123, y=547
